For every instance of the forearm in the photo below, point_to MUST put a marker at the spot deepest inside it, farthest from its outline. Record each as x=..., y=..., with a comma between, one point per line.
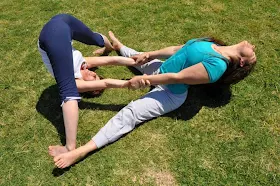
x=168, y=78
x=86, y=86
x=175, y=78
x=109, y=60
x=163, y=53
x=193, y=75
x=122, y=61
x=114, y=83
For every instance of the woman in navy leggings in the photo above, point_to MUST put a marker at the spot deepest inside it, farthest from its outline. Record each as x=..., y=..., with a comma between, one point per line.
x=70, y=69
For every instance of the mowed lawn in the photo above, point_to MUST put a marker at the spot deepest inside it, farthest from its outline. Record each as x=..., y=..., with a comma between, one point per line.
x=230, y=137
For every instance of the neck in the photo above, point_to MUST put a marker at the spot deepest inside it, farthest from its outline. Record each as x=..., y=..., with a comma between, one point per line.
x=229, y=52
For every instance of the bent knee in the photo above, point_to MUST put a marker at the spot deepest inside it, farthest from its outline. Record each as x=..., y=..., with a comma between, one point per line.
x=62, y=16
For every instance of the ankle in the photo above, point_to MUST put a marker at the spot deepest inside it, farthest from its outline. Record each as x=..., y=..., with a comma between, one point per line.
x=70, y=148
x=117, y=47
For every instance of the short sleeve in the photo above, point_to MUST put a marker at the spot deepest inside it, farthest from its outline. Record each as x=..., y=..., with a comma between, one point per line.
x=215, y=68
x=78, y=59
x=191, y=41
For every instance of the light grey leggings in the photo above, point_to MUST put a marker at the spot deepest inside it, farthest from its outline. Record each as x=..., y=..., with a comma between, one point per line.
x=157, y=102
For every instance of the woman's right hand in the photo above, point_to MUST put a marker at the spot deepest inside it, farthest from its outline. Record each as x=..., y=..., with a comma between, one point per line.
x=137, y=82
x=141, y=59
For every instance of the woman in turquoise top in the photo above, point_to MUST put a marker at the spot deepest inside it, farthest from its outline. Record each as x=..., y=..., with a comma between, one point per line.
x=199, y=61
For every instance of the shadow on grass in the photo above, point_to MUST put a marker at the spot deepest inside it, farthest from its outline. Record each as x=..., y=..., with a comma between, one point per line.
x=59, y=172
x=198, y=96
x=49, y=106
x=202, y=95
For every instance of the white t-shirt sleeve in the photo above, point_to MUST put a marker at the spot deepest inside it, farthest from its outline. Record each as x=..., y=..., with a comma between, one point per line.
x=78, y=59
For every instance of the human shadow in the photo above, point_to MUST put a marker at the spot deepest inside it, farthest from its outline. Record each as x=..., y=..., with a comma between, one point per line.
x=49, y=106
x=211, y=95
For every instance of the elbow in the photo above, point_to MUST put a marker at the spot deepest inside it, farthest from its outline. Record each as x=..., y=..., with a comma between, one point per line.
x=176, y=48
x=82, y=89
x=183, y=78
x=79, y=87
x=176, y=78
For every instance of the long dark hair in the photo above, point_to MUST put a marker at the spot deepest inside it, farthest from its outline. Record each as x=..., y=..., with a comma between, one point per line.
x=234, y=72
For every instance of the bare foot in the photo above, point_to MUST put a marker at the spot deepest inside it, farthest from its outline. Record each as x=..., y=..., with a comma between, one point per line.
x=65, y=160
x=115, y=42
x=101, y=52
x=56, y=150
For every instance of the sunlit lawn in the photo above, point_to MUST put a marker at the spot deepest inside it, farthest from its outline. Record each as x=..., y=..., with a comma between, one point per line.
x=231, y=138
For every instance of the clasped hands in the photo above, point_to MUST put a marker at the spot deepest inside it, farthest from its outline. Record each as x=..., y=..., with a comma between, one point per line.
x=137, y=82
x=141, y=59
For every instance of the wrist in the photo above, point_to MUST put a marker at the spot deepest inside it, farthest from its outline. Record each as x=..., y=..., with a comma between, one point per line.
x=150, y=55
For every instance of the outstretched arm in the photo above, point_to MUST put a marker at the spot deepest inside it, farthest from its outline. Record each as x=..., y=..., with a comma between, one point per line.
x=157, y=54
x=165, y=52
x=109, y=60
x=86, y=86
x=193, y=75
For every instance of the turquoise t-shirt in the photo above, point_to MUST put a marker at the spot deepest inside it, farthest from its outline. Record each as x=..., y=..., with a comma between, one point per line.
x=194, y=52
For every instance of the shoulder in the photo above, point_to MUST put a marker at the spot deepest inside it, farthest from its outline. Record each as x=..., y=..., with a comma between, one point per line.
x=216, y=61
x=78, y=59
x=191, y=41
x=215, y=67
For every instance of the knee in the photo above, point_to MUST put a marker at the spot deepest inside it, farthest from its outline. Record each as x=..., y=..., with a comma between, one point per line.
x=125, y=119
x=62, y=16
x=131, y=115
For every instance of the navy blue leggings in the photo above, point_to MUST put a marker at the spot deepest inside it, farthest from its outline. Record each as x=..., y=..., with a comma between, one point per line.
x=55, y=38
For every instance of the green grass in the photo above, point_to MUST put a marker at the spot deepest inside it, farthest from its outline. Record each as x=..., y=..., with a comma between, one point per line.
x=229, y=139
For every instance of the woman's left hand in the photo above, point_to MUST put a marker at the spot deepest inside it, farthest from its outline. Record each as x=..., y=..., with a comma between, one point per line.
x=141, y=59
